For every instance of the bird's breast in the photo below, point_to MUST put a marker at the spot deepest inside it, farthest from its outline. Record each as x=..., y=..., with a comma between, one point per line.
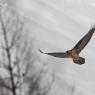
x=72, y=54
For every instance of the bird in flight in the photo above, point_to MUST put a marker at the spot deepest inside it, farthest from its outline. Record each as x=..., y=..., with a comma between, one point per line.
x=74, y=53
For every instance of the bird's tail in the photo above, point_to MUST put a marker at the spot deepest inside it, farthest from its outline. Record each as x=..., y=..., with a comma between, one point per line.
x=80, y=61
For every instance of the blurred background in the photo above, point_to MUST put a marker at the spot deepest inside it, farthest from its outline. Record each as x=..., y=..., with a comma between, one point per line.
x=57, y=25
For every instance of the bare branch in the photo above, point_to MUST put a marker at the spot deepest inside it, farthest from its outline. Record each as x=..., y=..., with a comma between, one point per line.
x=8, y=54
x=2, y=82
x=18, y=57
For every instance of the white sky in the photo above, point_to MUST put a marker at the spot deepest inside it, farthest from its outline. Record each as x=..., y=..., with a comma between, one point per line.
x=57, y=25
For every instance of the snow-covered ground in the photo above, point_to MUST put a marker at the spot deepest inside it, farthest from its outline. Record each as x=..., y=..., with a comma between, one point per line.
x=57, y=25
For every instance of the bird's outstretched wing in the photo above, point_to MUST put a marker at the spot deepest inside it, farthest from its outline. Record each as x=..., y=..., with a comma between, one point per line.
x=56, y=54
x=84, y=41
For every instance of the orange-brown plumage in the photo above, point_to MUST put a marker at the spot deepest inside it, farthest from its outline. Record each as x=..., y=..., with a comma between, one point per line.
x=72, y=54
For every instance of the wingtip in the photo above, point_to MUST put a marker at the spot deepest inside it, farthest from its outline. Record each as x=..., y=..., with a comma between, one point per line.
x=41, y=51
x=93, y=26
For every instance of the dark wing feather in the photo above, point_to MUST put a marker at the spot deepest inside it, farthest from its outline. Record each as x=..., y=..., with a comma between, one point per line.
x=56, y=54
x=84, y=41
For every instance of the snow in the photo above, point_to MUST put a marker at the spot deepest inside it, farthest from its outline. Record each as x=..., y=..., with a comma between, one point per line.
x=57, y=25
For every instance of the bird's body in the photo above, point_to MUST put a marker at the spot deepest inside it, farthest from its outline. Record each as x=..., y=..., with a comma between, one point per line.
x=75, y=57
x=74, y=53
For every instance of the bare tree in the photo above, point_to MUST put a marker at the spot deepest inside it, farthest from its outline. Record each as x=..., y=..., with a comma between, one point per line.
x=16, y=57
